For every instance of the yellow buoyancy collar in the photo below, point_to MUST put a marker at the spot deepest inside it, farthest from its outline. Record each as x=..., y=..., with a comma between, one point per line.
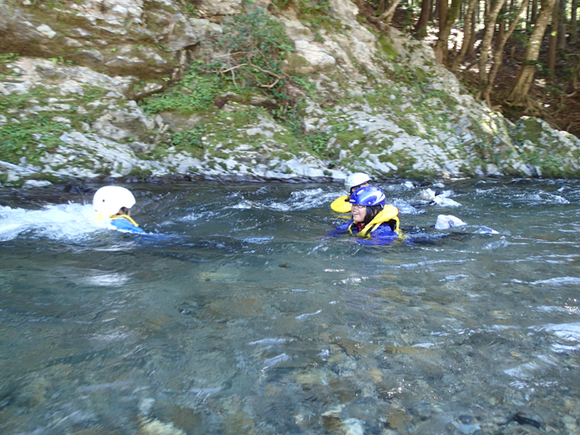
x=389, y=213
x=124, y=216
x=341, y=204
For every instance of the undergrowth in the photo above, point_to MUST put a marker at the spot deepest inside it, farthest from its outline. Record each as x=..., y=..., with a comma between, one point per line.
x=30, y=139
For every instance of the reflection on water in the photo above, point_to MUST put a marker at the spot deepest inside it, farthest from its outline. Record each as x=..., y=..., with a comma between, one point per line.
x=235, y=314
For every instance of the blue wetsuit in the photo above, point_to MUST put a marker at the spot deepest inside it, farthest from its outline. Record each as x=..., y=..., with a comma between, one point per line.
x=378, y=231
x=125, y=223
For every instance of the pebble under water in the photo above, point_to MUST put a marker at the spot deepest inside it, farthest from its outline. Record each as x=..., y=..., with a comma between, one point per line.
x=236, y=314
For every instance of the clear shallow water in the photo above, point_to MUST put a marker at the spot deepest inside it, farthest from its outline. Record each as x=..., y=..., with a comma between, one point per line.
x=237, y=315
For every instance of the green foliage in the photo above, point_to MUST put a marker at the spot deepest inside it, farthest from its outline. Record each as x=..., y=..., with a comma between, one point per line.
x=189, y=142
x=195, y=93
x=282, y=4
x=305, y=7
x=188, y=139
x=93, y=93
x=256, y=44
x=60, y=59
x=189, y=7
x=313, y=7
x=8, y=57
x=317, y=141
x=30, y=139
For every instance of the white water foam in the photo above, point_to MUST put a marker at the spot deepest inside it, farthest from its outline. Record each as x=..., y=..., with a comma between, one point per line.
x=57, y=222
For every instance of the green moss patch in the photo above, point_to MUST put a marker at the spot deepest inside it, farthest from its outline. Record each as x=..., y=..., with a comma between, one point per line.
x=30, y=139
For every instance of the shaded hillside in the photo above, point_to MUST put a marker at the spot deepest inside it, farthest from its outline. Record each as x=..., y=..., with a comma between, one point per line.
x=554, y=99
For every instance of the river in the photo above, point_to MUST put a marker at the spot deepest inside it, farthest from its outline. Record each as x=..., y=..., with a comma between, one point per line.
x=236, y=314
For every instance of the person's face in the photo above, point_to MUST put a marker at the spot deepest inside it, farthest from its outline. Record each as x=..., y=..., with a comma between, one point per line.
x=359, y=213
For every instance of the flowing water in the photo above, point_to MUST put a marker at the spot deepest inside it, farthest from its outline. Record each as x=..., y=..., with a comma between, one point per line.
x=236, y=314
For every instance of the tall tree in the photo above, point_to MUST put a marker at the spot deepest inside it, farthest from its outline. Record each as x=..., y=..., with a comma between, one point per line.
x=441, y=46
x=573, y=22
x=553, y=40
x=498, y=54
x=468, y=29
x=484, y=52
x=518, y=92
x=421, y=26
x=442, y=6
x=534, y=14
x=562, y=25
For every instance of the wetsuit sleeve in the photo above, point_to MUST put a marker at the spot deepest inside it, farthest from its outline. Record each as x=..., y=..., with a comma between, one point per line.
x=341, y=229
x=125, y=225
x=341, y=205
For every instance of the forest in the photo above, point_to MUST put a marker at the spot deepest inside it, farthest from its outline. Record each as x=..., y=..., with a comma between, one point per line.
x=521, y=57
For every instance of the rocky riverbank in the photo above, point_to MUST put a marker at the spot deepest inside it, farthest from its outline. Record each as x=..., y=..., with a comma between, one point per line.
x=110, y=89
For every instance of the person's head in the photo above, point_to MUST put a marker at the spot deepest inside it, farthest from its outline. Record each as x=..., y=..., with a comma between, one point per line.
x=366, y=203
x=356, y=181
x=112, y=200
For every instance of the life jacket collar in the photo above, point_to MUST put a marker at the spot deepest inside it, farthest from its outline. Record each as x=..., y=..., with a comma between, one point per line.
x=389, y=213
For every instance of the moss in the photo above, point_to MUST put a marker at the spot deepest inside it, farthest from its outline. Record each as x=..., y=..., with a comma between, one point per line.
x=140, y=173
x=296, y=62
x=195, y=93
x=30, y=139
x=221, y=155
x=387, y=46
x=402, y=160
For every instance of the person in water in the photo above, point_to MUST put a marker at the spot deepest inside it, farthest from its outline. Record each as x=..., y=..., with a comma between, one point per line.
x=351, y=183
x=115, y=202
x=372, y=221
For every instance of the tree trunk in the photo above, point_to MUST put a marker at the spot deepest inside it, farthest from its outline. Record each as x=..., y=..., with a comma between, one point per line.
x=441, y=46
x=553, y=40
x=485, y=49
x=467, y=34
x=573, y=23
x=562, y=26
x=498, y=56
x=518, y=93
x=442, y=12
x=534, y=12
x=471, y=48
x=381, y=7
x=500, y=30
x=421, y=26
x=386, y=16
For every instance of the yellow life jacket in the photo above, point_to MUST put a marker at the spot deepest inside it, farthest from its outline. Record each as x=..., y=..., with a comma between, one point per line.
x=100, y=216
x=389, y=213
x=124, y=216
x=341, y=204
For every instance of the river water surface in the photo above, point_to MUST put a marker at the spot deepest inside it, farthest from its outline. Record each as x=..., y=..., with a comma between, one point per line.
x=235, y=314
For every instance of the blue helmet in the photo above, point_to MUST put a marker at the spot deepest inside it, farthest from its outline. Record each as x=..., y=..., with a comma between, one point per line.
x=368, y=195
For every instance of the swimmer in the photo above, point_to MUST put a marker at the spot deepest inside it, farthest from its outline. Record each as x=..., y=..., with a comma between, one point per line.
x=115, y=202
x=372, y=221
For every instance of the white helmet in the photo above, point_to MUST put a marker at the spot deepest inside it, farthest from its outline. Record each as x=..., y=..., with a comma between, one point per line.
x=355, y=180
x=110, y=199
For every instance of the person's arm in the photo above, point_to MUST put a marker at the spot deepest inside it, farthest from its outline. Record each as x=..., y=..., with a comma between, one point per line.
x=341, y=229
